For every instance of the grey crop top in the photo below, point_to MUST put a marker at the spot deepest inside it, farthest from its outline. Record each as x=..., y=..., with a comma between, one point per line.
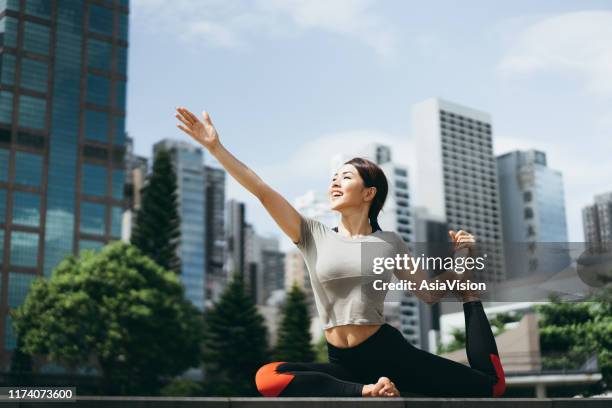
x=341, y=272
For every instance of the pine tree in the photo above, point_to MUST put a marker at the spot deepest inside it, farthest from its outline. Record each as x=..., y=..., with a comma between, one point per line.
x=294, y=339
x=156, y=231
x=235, y=343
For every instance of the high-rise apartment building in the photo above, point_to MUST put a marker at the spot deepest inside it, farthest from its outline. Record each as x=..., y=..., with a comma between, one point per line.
x=63, y=74
x=457, y=174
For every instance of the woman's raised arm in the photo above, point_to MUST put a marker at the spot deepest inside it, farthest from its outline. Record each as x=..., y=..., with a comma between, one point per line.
x=203, y=132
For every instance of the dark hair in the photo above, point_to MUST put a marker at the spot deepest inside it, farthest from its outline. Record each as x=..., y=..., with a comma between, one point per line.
x=372, y=176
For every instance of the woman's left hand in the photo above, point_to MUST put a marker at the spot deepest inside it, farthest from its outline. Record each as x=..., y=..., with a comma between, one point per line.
x=462, y=240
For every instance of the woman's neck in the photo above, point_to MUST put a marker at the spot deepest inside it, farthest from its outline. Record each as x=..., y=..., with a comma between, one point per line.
x=354, y=224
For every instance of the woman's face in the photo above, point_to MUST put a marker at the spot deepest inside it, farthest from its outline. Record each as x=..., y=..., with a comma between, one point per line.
x=347, y=189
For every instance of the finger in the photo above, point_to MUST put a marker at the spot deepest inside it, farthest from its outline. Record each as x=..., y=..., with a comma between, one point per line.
x=185, y=114
x=179, y=117
x=188, y=115
x=192, y=116
x=207, y=117
x=184, y=129
x=452, y=234
x=377, y=388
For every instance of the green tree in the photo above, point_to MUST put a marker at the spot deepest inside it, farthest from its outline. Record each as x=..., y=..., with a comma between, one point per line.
x=156, y=230
x=571, y=332
x=294, y=339
x=235, y=343
x=498, y=326
x=117, y=310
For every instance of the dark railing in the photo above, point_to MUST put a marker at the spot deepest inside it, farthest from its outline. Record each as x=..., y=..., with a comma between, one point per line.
x=152, y=402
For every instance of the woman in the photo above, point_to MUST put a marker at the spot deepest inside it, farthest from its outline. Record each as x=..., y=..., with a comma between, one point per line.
x=367, y=356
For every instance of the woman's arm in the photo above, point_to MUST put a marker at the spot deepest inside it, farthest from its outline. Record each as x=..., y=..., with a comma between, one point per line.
x=283, y=213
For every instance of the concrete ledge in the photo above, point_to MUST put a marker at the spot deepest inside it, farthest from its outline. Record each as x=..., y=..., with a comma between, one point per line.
x=213, y=402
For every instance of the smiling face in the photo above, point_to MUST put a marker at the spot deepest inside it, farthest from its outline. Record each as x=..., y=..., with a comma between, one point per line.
x=347, y=189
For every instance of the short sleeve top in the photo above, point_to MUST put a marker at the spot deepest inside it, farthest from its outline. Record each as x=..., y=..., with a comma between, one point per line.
x=341, y=273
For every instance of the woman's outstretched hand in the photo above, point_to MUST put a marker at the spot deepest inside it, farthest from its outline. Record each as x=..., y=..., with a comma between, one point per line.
x=202, y=132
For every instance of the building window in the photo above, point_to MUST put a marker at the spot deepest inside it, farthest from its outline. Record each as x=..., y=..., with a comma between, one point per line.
x=26, y=208
x=120, y=95
x=2, y=208
x=7, y=69
x=98, y=90
x=528, y=213
x=38, y=8
x=92, y=218
x=123, y=26
x=116, y=216
x=99, y=54
x=401, y=184
x=93, y=180
x=34, y=75
x=36, y=38
x=527, y=196
x=118, y=182
x=24, y=249
x=6, y=106
x=122, y=56
x=119, y=138
x=19, y=286
x=100, y=20
x=32, y=112
x=28, y=169
x=4, y=165
x=8, y=31
x=96, y=125
x=401, y=172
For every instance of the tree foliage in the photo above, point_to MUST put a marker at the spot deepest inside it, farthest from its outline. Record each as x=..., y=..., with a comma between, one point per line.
x=235, y=343
x=294, y=338
x=156, y=231
x=116, y=310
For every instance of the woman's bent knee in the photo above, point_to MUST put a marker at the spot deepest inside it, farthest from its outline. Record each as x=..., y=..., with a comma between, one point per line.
x=270, y=383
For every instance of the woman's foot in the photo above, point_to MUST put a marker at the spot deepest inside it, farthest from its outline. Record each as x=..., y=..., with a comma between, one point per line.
x=383, y=388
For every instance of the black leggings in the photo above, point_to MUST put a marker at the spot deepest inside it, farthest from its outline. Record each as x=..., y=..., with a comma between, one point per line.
x=387, y=353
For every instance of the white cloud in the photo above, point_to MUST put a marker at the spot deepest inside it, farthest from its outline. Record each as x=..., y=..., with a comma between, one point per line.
x=577, y=43
x=233, y=24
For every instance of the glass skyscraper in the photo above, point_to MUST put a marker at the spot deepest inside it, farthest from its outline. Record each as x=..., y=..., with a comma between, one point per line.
x=188, y=161
x=63, y=67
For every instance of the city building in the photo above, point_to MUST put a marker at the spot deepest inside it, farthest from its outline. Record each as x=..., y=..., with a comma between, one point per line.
x=235, y=237
x=216, y=278
x=532, y=205
x=63, y=74
x=457, y=174
x=188, y=164
x=136, y=171
x=597, y=220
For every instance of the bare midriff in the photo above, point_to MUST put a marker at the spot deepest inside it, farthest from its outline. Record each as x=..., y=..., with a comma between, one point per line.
x=350, y=335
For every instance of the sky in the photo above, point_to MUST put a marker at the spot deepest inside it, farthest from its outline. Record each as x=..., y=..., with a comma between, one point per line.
x=289, y=83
